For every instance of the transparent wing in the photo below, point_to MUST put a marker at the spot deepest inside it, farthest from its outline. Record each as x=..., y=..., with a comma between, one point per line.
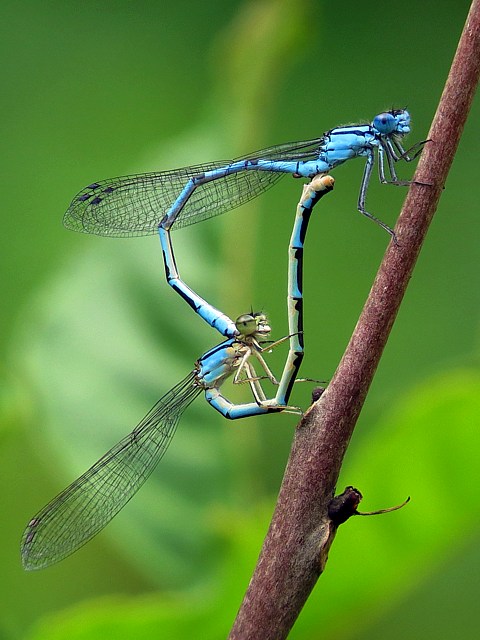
x=134, y=205
x=80, y=511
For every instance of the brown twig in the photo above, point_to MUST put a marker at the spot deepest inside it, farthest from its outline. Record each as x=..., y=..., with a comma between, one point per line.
x=301, y=532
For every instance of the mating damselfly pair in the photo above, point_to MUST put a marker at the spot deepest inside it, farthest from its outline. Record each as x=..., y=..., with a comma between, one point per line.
x=158, y=202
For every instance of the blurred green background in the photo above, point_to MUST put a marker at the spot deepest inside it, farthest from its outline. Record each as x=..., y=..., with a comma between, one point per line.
x=91, y=336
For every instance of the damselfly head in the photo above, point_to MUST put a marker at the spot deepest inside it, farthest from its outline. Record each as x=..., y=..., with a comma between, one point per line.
x=395, y=121
x=253, y=324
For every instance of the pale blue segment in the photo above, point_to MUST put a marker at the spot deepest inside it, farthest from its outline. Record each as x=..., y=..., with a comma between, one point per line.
x=236, y=411
x=209, y=313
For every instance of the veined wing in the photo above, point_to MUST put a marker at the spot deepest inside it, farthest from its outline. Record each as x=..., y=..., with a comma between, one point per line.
x=135, y=205
x=80, y=511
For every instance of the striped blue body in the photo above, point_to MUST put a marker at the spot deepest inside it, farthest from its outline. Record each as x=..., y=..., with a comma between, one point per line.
x=139, y=204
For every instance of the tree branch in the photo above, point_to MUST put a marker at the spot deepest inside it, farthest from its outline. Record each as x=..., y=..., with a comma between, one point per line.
x=301, y=532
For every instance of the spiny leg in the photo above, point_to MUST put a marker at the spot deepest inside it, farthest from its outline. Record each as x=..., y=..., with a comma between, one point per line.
x=243, y=369
x=384, y=150
x=255, y=350
x=404, y=155
x=367, y=173
x=252, y=379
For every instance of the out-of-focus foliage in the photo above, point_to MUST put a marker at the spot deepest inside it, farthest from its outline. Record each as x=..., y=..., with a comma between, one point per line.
x=373, y=561
x=92, y=336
